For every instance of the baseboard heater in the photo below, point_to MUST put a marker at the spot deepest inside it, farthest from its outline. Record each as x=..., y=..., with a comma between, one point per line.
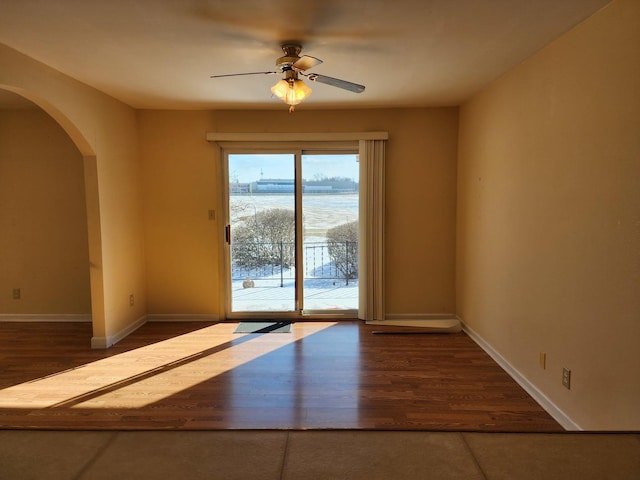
x=418, y=325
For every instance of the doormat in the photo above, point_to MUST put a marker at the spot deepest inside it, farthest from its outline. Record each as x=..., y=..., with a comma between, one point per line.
x=263, y=327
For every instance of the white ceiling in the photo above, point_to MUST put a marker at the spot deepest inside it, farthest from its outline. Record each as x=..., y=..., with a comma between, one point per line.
x=161, y=53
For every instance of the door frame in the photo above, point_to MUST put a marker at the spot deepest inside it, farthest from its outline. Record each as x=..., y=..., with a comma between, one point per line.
x=371, y=148
x=297, y=150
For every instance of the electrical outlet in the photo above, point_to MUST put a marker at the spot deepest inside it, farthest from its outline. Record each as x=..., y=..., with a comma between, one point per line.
x=16, y=294
x=543, y=360
x=566, y=378
x=131, y=300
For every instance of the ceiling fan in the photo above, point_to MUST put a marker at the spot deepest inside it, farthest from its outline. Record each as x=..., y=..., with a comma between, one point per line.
x=291, y=89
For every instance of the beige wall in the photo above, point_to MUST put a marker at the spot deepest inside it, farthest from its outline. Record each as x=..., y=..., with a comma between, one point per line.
x=181, y=184
x=549, y=218
x=43, y=245
x=105, y=132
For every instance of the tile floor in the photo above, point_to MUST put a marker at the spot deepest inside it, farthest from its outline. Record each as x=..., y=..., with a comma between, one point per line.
x=309, y=455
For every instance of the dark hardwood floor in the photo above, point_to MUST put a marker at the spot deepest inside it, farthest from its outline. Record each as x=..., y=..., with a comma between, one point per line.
x=203, y=376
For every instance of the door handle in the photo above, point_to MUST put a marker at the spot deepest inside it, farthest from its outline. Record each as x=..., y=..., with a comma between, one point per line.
x=227, y=234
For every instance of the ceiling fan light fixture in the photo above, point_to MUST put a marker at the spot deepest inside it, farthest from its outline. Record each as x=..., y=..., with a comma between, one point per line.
x=291, y=91
x=280, y=89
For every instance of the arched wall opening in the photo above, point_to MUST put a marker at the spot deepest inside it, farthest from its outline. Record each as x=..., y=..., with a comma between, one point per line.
x=105, y=131
x=48, y=214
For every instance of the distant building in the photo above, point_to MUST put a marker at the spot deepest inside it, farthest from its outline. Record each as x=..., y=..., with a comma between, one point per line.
x=274, y=185
x=239, y=188
x=318, y=189
x=287, y=185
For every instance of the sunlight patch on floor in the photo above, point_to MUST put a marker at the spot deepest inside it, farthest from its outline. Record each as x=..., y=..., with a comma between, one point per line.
x=164, y=369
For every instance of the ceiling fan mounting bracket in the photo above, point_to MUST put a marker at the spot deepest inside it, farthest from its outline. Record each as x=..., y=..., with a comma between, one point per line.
x=291, y=49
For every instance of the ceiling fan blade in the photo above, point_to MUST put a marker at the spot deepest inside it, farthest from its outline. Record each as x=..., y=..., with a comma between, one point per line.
x=336, y=82
x=240, y=74
x=306, y=62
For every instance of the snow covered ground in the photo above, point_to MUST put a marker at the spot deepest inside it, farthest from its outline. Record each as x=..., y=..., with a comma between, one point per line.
x=320, y=213
x=319, y=294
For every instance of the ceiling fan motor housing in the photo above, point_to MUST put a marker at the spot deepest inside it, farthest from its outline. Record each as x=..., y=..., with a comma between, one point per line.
x=291, y=55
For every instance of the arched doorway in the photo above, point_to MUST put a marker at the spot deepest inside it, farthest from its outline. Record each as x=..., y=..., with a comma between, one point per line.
x=44, y=248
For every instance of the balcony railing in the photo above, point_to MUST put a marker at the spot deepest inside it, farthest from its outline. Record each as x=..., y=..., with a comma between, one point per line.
x=272, y=261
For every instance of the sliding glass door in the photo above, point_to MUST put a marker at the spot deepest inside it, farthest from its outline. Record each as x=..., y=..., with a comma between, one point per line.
x=261, y=240
x=292, y=233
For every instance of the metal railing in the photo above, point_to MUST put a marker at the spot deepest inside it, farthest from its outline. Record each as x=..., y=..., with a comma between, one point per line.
x=321, y=260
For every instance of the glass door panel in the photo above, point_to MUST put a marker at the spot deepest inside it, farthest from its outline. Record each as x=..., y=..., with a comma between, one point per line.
x=293, y=233
x=261, y=199
x=330, y=232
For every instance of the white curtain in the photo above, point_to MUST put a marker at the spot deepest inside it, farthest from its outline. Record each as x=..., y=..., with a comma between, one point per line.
x=371, y=253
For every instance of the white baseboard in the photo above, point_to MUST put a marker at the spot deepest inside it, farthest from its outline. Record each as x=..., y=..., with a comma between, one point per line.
x=106, y=342
x=189, y=317
x=36, y=317
x=561, y=417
